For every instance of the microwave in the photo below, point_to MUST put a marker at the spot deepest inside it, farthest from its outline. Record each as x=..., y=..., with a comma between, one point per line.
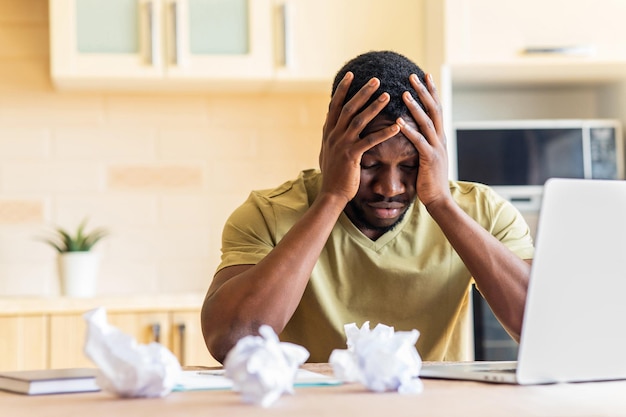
x=516, y=157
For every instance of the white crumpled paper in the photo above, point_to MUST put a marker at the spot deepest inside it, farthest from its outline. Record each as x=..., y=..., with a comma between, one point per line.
x=263, y=368
x=381, y=359
x=128, y=369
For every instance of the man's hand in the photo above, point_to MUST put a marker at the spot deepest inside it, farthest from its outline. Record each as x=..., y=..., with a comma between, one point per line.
x=501, y=276
x=429, y=140
x=342, y=146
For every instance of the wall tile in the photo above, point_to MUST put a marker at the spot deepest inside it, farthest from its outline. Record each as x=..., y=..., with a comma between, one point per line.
x=136, y=244
x=122, y=278
x=184, y=276
x=172, y=177
x=50, y=109
x=51, y=176
x=21, y=211
x=182, y=243
x=115, y=211
x=105, y=143
x=185, y=210
x=290, y=144
x=207, y=143
x=156, y=110
x=29, y=279
x=24, y=143
x=269, y=110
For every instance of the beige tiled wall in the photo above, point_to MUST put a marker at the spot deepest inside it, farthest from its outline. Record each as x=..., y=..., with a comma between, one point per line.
x=160, y=171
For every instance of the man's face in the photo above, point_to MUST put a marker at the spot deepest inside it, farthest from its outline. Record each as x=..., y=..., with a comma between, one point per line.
x=388, y=181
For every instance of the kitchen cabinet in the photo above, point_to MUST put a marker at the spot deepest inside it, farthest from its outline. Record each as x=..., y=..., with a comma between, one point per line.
x=125, y=42
x=488, y=41
x=67, y=334
x=187, y=341
x=50, y=333
x=23, y=342
x=178, y=330
x=533, y=59
x=320, y=36
x=222, y=44
x=510, y=30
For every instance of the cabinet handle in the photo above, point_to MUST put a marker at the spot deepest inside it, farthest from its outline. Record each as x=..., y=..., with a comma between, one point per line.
x=181, y=338
x=156, y=332
x=286, y=16
x=153, y=33
x=175, y=15
x=585, y=50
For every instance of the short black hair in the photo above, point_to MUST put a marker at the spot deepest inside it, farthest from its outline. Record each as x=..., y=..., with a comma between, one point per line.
x=393, y=71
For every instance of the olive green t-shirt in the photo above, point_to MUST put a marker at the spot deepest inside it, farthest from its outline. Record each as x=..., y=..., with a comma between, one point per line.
x=409, y=278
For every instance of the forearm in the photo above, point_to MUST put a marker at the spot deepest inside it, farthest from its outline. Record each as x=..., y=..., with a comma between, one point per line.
x=501, y=276
x=270, y=291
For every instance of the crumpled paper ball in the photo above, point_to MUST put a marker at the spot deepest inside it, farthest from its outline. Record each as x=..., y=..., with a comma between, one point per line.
x=381, y=359
x=263, y=368
x=126, y=368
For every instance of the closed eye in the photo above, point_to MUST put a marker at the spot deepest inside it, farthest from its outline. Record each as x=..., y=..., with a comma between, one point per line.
x=369, y=166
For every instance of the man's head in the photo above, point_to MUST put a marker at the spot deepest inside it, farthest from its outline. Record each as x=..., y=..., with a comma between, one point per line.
x=389, y=170
x=393, y=71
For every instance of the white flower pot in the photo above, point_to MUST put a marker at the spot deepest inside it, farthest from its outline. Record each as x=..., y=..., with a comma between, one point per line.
x=78, y=272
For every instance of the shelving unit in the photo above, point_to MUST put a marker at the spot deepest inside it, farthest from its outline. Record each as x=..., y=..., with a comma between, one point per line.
x=483, y=54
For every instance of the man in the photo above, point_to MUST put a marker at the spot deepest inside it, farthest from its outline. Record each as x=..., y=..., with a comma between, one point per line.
x=380, y=234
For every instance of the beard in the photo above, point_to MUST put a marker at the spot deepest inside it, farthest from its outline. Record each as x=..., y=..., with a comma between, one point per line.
x=360, y=219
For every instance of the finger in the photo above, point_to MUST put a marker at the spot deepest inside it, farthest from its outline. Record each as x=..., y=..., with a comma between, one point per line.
x=426, y=127
x=432, y=88
x=415, y=136
x=429, y=97
x=375, y=138
x=336, y=102
x=351, y=114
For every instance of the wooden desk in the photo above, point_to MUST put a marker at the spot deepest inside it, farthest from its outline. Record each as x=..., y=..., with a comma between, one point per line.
x=440, y=398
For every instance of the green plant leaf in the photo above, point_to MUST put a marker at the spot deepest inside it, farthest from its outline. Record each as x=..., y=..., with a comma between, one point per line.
x=62, y=241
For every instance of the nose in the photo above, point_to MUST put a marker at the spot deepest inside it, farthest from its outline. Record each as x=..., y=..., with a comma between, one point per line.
x=389, y=182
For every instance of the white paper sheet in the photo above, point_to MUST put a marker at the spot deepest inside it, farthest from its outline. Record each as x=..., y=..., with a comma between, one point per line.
x=127, y=368
x=381, y=359
x=215, y=380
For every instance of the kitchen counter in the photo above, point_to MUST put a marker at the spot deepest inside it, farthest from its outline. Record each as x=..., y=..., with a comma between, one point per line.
x=49, y=332
x=133, y=303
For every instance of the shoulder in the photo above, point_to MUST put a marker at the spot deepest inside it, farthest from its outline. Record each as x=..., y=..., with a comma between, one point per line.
x=277, y=208
x=297, y=192
x=466, y=188
x=496, y=214
x=483, y=203
x=475, y=193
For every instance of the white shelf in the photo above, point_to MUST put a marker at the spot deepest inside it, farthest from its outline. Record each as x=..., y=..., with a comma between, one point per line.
x=540, y=71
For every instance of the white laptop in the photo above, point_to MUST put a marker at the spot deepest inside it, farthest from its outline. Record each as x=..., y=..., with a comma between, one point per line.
x=575, y=317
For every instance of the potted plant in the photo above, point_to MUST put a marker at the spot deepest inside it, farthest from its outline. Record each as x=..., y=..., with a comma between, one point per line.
x=77, y=263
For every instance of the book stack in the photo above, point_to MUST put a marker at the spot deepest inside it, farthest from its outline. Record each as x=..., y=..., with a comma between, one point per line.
x=50, y=381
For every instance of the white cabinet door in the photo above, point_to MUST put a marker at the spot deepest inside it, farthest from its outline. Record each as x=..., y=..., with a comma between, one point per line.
x=497, y=31
x=23, y=342
x=219, y=39
x=315, y=38
x=187, y=340
x=104, y=40
x=209, y=44
x=125, y=42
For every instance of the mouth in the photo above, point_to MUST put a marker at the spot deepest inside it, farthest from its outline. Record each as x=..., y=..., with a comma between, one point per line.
x=386, y=209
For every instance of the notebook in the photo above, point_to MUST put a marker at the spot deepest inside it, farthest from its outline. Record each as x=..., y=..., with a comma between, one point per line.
x=49, y=381
x=575, y=316
x=216, y=380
